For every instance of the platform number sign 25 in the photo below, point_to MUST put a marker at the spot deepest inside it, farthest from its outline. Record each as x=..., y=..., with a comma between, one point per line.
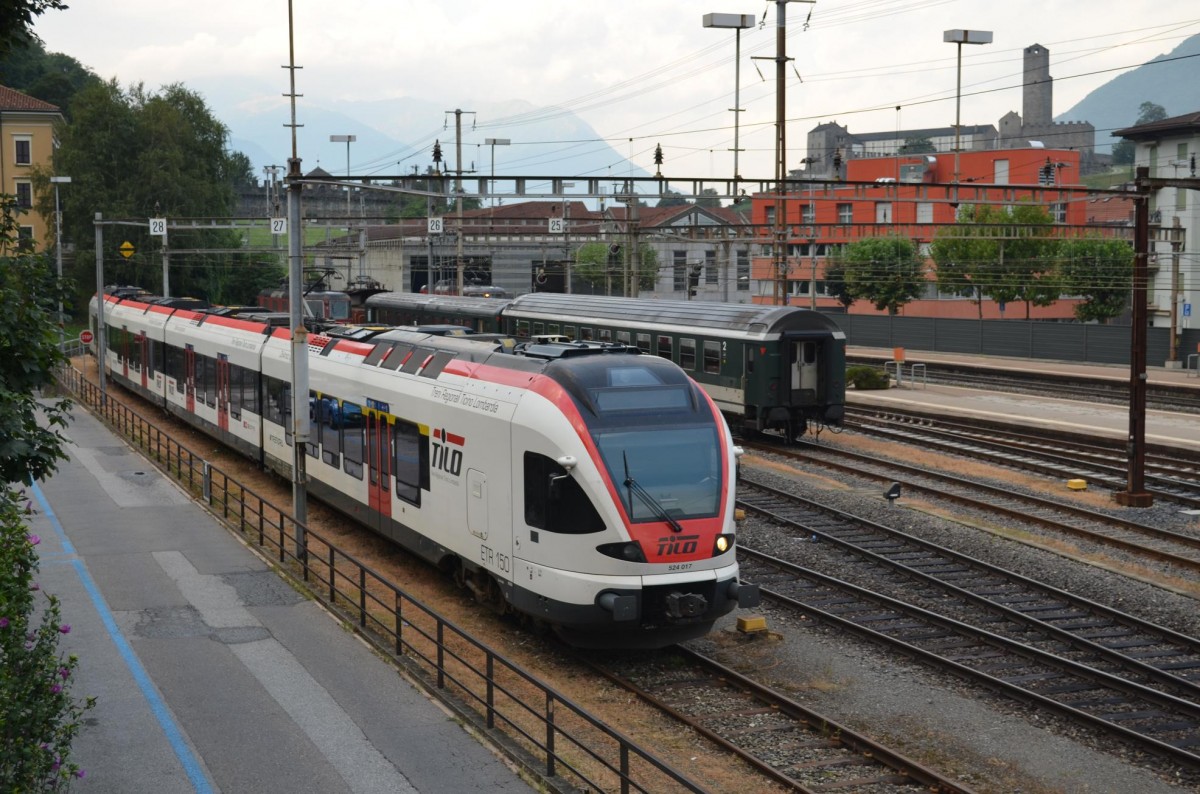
x=557, y=226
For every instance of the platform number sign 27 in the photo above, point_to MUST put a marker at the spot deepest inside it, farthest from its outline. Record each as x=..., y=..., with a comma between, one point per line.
x=279, y=226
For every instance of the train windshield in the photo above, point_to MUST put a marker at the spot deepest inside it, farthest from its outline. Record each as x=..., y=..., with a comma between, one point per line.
x=339, y=308
x=664, y=472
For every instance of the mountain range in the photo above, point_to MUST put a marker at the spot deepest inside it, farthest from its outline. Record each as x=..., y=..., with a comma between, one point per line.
x=1171, y=80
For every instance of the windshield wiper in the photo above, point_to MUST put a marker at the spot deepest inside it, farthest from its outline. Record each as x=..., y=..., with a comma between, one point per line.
x=636, y=488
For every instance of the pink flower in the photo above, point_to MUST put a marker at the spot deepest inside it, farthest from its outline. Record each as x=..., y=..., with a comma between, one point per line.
x=54, y=690
x=34, y=540
x=35, y=586
x=3, y=623
x=65, y=628
x=65, y=673
x=79, y=773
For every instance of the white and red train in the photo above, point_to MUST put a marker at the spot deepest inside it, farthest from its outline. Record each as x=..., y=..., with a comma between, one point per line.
x=581, y=485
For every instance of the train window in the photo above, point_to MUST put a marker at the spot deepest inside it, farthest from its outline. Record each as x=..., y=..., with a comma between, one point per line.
x=664, y=347
x=352, y=441
x=250, y=391
x=210, y=381
x=712, y=356
x=417, y=359
x=643, y=342
x=523, y=329
x=235, y=391
x=398, y=356
x=585, y=334
x=605, y=335
x=552, y=328
x=624, y=337
x=198, y=381
x=687, y=354
x=539, y=329
x=554, y=500
x=750, y=359
x=808, y=353
x=153, y=354
x=410, y=460
x=276, y=400
x=174, y=367
x=569, y=332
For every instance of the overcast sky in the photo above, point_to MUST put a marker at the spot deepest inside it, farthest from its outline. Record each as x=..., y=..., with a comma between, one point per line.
x=644, y=70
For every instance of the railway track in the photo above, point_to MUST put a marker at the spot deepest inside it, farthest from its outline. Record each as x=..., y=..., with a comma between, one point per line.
x=1173, y=477
x=1157, y=545
x=1090, y=663
x=789, y=743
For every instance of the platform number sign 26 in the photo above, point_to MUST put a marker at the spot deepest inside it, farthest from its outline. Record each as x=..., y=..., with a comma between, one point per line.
x=158, y=227
x=436, y=226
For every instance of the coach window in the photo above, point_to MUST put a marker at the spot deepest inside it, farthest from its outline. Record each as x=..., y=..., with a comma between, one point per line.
x=623, y=337
x=250, y=391
x=235, y=391
x=687, y=354
x=552, y=328
x=174, y=367
x=554, y=501
x=569, y=332
x=665, y=348
x=712, y=357
x=643, y=342
x=523, y=329
x=585, y=334
x=331, y=433
x=210, y=381
x=273, y=410
x=352, y=442
x=539, y=329
x=410, y=461
x=201, y=385
x=154, y=351
x=605, y=335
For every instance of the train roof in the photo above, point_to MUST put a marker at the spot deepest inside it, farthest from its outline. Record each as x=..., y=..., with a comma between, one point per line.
x=653, y=312
x=465, y=306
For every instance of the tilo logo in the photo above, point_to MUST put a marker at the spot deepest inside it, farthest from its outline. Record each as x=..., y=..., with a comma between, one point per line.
x=445, y=457
x=680, y=544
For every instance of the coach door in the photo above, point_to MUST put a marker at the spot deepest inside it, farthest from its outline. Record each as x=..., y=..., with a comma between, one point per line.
x=143, y=343
x=189, y=376
x=805, y=373
x=223, y=391
x=379, y=467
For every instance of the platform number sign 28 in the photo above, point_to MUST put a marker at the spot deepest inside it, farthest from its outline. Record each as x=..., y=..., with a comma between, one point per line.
x=158, y=227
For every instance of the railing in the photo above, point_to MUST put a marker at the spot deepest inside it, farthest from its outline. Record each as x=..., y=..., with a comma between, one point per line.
x=547, y=733
x=896, y=369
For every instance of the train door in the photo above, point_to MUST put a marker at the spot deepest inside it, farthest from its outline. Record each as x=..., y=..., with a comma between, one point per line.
x=805, y=374
x=379, y=468
x=223, y=392
x=125, y=352
x=477, y=504
x=189, y=375
x=143, y=343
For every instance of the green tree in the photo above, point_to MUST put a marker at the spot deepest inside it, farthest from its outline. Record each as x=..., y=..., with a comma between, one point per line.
x=136, y=155
x=888, y=271
x=917, y=146
x=708, y=198
x=1007, y=254
x=1148, y=112
x=672, y=199
x=50, y=77
x=603, y=265
x=38, y=715
x=1101, y=271
x=835, y=282
x=16, y=21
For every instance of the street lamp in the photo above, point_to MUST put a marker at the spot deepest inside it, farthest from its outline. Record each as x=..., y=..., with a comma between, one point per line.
x=56, y=181
x=346, y=139
x=738, y=22
x=494, y=142
x=961, y=37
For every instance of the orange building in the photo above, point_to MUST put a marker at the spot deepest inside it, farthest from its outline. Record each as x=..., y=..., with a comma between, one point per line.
x=911, y=196
x=26, y=142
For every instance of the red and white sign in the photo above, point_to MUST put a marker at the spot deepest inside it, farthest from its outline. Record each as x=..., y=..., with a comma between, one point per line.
x=86, y=337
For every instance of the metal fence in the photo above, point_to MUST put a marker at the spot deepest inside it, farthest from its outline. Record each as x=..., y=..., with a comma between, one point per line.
x=1084, y=343
x=542, y=729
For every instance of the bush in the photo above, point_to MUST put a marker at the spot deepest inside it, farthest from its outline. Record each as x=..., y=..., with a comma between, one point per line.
x=864, y=378
x=38, y=716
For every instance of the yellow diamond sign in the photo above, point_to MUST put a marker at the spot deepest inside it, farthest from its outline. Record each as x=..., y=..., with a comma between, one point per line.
x=126, y=249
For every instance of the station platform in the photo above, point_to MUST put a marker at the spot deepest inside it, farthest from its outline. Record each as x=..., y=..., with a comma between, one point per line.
x=1175, y=377
x=210, y=672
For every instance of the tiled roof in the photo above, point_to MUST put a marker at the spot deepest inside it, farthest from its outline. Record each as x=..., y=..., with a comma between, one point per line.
x=1188, y=121
x=1110, y=211
x=13, y=100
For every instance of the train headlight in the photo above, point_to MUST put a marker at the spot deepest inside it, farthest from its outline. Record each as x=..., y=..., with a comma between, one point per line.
x=628, y=552
x=723, y=544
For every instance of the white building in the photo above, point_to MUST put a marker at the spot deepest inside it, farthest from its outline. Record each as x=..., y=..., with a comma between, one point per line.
x=1169, y=149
